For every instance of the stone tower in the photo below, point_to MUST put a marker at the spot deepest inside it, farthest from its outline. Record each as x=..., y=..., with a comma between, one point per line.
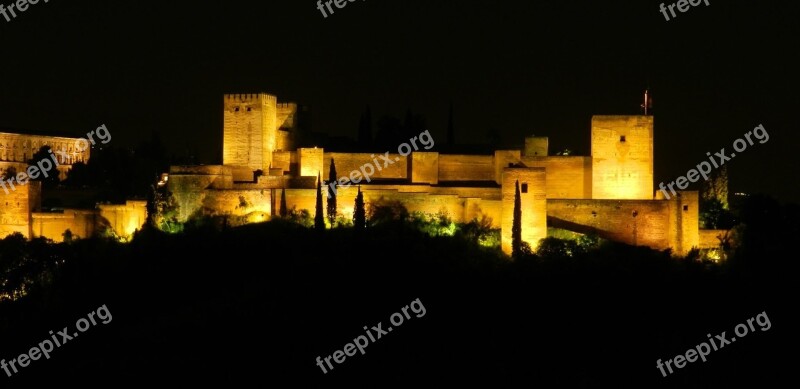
x=622, y=157
x=250, y=127
x=533, y=202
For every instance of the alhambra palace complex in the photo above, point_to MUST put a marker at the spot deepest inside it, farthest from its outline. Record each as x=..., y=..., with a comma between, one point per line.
x=609, y=193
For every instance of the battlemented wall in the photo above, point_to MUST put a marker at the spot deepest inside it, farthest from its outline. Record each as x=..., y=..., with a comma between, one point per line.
x=622, y=157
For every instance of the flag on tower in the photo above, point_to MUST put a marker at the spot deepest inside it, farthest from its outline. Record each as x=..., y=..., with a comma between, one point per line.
x=648, y=103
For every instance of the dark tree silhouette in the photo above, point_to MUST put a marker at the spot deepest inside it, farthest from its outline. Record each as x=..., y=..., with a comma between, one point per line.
x=451, y=135
x=390, y=131
x=413, y=125
x=284, y=211
x=50, y=177
x=332, y=184
x=516, y=228
x=359, y=212
x=10, y=173
x=79, y=176
x=319, y=219
x=365, y=129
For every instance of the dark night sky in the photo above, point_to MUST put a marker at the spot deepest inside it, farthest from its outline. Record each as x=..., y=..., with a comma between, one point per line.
x=518, y=67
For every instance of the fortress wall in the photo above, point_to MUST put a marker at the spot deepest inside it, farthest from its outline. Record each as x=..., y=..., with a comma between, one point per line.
x=708, y=239
x=283, y=140
x=19, y=167
x=476, y=208
x=238, y=174
x=424, y=167
x=303, y=199
x=188, y=185
x=266, y=182
x=205, y=176
x=269, y=129
x=286, y=114
x=425, y=203
x=16, y=207
x=567, y=177
x=482, y=193
x=81, y=223
x=533, y=206
x=199, y=169
x=310, y=161
x=124, y=219
x=414, y=202
x=479, y=192
x=189, y=192
x=238, y=202
x=282, y=160
x=349, y=162
x=614, y=220
x=536, y=146
x=459, y=209
x=504, y=159
x=466, y=167
x=688, y=207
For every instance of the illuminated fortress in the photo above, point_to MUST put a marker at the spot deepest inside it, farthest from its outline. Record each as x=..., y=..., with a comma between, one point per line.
x=609, y=194
x=20, y=207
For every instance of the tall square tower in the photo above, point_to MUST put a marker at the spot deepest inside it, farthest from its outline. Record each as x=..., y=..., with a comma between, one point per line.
x=622, y=157
x=250, y=125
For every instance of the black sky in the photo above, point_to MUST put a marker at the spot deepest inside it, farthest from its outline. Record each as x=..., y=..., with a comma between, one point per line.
x=516, y=67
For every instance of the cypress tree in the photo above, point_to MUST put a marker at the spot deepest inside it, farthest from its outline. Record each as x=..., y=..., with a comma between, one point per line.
x=365, y=129
x=451, y=132
x=284, y=211
x=359, y=213
x=319, y=219
x=332, y=184
x=516, y=229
